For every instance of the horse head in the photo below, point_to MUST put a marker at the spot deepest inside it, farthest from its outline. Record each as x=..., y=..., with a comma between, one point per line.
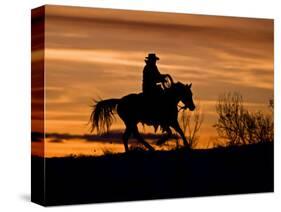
x=184, y=94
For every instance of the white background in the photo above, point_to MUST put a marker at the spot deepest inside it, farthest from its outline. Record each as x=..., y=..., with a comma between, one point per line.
x=15, y=105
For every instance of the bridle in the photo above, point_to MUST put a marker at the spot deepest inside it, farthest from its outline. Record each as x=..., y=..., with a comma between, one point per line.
x=172, y=82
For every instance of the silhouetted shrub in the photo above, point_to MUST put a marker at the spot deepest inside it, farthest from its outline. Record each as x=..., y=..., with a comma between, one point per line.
x=239, y=126
x=191, y=123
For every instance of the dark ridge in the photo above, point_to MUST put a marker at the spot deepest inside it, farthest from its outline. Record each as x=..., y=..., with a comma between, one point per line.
x=143, y=175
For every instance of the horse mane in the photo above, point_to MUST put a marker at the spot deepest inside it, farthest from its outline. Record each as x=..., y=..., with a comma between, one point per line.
x=177, y=85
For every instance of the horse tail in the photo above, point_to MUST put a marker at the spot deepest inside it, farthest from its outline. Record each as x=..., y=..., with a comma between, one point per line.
x=102, y=115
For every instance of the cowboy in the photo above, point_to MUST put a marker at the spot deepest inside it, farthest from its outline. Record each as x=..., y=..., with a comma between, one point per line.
x=152, y=76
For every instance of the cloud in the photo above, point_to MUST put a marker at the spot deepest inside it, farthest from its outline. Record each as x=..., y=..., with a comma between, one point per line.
x=111, y=137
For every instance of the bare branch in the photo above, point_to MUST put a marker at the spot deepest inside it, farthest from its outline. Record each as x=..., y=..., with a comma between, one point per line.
x=237, y=125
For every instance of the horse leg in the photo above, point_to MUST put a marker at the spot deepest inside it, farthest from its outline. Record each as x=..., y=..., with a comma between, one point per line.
x=126, y=136
x=141, y=140
x=176, y=126
x=165, y=137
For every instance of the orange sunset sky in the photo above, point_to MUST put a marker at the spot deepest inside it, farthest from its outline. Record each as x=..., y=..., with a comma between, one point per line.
x=99, y=53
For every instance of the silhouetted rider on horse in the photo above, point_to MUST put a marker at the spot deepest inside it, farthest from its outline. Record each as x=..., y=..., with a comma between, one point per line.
x=155, y=106
x=152, y=76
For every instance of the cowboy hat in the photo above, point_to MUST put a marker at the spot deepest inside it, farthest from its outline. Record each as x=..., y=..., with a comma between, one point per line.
x=152, y=56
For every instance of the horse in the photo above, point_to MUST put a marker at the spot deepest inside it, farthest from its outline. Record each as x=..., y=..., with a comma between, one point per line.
x=139, y=108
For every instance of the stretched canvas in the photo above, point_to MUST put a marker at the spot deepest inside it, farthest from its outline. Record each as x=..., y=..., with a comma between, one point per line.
x=134, y=105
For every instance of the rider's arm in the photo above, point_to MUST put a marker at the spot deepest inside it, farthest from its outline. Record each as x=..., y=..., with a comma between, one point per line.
x=160, y=77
